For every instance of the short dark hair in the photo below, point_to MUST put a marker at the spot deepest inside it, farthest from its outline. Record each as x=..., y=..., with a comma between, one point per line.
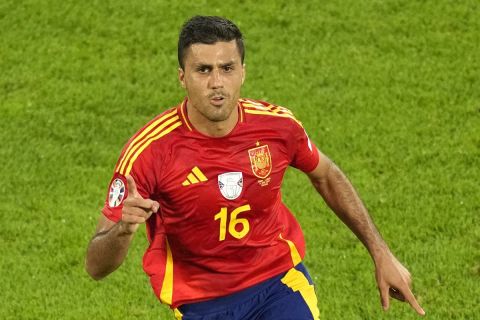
x=208, y=30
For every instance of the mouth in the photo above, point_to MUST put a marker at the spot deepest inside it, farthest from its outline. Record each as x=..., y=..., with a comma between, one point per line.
x=217, y=100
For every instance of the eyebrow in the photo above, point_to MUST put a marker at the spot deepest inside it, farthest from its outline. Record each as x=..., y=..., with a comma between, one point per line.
x=206, y=65
x=227, y=64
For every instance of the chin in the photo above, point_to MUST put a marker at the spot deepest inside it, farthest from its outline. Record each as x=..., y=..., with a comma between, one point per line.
x=217, y=118
x=219, y=114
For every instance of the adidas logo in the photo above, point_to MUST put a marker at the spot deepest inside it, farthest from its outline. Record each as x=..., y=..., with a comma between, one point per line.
x=195, y=176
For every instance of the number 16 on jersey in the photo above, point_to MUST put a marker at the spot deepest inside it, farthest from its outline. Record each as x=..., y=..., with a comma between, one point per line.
x=233, y=222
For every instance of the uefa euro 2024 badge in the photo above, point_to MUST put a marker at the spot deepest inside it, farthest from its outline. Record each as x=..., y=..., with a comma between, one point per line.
x=230, y=184
x=116, y=194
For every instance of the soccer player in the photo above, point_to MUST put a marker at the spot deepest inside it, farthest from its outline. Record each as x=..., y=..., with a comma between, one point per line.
x=205, y=178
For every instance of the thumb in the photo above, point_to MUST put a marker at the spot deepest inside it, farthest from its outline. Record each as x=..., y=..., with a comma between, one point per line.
x=132, y=187
x=155, y=206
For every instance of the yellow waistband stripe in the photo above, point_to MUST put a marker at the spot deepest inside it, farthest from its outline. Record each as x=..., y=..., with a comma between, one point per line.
x=297, y=281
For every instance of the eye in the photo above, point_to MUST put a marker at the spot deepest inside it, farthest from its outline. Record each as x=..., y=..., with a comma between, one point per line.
x=203, y=69
x=228, y=68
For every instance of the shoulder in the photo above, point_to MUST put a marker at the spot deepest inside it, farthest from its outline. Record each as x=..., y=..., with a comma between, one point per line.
x=265, y=111
x=163, y=123
x=141, y=143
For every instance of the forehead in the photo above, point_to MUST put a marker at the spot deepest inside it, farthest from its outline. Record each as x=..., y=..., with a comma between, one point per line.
x=218, y=52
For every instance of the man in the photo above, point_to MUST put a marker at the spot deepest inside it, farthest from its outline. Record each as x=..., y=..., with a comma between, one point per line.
x=205, y=178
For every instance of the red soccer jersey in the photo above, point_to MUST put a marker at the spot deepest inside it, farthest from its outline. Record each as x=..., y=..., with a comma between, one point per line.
x=222, y=225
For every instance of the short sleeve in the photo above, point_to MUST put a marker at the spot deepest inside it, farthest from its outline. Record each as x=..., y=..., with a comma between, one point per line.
x=305, y=154
x=117, y=191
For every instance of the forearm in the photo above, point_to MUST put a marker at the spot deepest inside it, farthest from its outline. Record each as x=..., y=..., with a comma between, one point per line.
x=107, y=250
x=342, y=198
x=392, y=277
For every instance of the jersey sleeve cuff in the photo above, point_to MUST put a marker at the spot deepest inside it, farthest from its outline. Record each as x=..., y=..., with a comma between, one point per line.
x=114, y=214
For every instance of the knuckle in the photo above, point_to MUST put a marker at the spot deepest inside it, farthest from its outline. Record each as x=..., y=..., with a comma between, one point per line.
x=128, y=201
x=127, y=218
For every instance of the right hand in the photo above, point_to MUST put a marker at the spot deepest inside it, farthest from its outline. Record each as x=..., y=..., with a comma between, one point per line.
x=136, y=209
x=394, y=280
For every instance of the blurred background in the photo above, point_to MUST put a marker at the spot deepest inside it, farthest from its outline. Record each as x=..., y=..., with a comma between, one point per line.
x=390, y=90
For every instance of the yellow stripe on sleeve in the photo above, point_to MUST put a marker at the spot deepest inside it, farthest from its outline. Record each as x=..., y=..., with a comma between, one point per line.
x=255, y=105
x=132, y=150
x=271, y=113
x=141, y=136
x=147, y=143
x=278, y=109
x=270, y=107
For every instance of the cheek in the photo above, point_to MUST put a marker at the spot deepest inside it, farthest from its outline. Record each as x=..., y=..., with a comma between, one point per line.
x=194, y=86
x=237, y=84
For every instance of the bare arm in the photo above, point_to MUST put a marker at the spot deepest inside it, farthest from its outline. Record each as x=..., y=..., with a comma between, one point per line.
x=109, y=246
x=392, y=277
x=342, y=198
x=107, y=249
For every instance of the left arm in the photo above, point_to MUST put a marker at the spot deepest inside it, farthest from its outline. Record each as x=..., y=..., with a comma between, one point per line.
x=392, y=277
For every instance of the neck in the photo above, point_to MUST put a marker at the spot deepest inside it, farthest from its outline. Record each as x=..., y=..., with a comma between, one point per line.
x=211, y=128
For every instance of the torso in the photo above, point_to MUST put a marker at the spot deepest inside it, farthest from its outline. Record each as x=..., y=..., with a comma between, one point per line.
x=222, y=225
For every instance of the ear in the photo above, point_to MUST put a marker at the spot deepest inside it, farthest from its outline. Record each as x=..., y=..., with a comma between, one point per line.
x=181, y=77
x=243, y=73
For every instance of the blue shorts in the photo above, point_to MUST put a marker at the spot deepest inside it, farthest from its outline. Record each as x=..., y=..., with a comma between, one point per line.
x=287, y=296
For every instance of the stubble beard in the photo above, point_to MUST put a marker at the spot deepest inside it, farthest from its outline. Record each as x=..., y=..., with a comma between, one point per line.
x=219, y=113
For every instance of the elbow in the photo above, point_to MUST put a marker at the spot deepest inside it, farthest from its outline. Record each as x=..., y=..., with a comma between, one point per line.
x=95, y=276
x=94, y=272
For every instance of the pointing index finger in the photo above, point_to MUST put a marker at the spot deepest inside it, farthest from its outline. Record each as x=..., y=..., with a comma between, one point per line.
x=132, y=187
x=407, y=293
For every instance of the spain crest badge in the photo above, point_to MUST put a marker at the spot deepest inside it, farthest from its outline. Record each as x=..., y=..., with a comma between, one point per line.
x=261, y=161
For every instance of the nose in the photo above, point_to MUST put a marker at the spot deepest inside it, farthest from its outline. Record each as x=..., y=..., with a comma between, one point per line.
x=216, y=80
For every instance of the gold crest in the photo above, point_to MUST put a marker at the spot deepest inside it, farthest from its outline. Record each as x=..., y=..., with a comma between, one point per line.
x=261, y=161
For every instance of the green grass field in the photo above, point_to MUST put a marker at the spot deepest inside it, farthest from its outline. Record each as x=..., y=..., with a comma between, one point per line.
x=388, y=89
